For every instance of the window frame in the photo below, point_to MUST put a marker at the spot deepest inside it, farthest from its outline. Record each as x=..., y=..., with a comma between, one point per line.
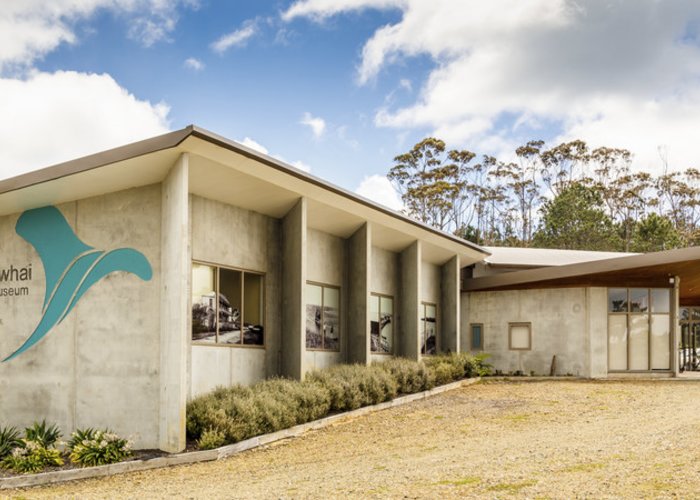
x=323, y=314
x=217, y=280
x=649, y=313
x=513, y=324
x=471, y=337
x=381, y=296
x=423, y=305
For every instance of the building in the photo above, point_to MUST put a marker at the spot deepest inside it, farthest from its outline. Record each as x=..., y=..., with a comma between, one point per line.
x=137, y=278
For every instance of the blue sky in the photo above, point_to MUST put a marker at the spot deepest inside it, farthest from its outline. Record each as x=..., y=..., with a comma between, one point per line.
x=342, y=86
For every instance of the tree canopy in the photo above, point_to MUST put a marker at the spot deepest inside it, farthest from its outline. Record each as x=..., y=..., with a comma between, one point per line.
x=564, y=196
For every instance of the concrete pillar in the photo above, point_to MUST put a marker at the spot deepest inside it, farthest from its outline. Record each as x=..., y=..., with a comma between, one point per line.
x=449, y=310
x=409, y=336
x=174, y=306
x=359, y=266
x=293, y=290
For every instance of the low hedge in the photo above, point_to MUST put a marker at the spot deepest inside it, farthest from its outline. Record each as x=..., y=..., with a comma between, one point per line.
x=231, y=414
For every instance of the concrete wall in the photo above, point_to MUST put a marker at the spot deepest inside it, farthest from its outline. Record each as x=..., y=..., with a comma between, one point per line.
x=100, y=366
x=294, y=247
x=430, y=283
x=359, y=270
x=325, y=256
x=175, y=307
x=409, y=305
x=449, y=309
x=233, y=237
x=562, y=321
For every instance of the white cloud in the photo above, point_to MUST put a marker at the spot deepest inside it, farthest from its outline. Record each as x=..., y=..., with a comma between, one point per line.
x=315, y=123
x=621, y=73
x=194, y=64
x=237, y=38
x=378, y=189
x=55, y=117
x=256, y=146
x=250, y=143
x=30, y=29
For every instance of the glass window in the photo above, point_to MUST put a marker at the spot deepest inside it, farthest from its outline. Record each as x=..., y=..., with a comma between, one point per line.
x=639, y=299
x=519, y=336
x=660, y=300
x=381, y=310
x=227, y=306
x=639, y=338
x=203, y=303
x=322, y=317
x=428, y=338
x=477, y=339
x=617, y=300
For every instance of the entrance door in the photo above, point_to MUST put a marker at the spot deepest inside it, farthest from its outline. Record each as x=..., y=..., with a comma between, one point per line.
x=689, y=346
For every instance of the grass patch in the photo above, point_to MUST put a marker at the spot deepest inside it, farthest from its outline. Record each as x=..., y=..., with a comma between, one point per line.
x=585, y=467
x=463, y=481
x=511, y=487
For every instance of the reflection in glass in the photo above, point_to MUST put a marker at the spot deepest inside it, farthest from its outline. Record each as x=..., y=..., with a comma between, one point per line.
x=660, y=300
x=230, y=306
x=314, y=303
x=660, y=342
x=253, y=301
x=639, y=299
x=617, y=300
x=331, y=318
x=428, y=338
x=381, y=324
x=203, y=303
x=639, y=342
x=617, y=342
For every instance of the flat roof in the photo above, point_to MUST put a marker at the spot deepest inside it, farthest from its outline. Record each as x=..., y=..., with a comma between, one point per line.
x=643, y=270
x=162, y=150
x=544, y=257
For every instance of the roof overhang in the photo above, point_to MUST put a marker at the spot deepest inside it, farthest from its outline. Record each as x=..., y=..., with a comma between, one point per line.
x=645, y=270
x=230, y=172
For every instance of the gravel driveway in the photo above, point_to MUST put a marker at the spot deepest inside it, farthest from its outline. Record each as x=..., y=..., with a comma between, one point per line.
x=497, y=439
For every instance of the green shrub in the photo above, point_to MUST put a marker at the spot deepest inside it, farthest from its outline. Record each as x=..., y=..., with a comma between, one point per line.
x=211, y=438
x=9, y=439
x=45, y=435
x=410, y=376
x=90, y=447
x=31, y=456
x=481, y=367
x=353, y=386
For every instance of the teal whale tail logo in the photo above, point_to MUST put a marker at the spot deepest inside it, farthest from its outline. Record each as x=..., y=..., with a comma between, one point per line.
x=71, y=266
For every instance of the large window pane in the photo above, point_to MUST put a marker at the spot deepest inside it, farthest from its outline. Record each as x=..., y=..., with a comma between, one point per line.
x=331, y=318
x=314, y=303
x=374, y=323
x=429, y=329
x=660, y=342
x=230, y=306
x=617, y=342
x=203, y=303
x=386, y=324
x=617, y=300
x=660, y=300
x=639, y=341
x=639, y=299
x=253, y=302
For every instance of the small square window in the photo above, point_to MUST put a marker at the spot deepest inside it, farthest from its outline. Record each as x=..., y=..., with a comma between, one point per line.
x=519, y=336
x=477, y=336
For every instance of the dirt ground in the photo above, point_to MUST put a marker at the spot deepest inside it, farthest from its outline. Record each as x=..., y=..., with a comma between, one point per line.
x=554, y=439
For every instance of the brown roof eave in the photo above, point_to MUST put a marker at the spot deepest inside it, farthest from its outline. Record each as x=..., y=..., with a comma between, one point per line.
x=550, y=274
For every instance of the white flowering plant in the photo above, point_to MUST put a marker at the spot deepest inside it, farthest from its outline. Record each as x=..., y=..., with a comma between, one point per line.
x=31, y=456
x=90, y=447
